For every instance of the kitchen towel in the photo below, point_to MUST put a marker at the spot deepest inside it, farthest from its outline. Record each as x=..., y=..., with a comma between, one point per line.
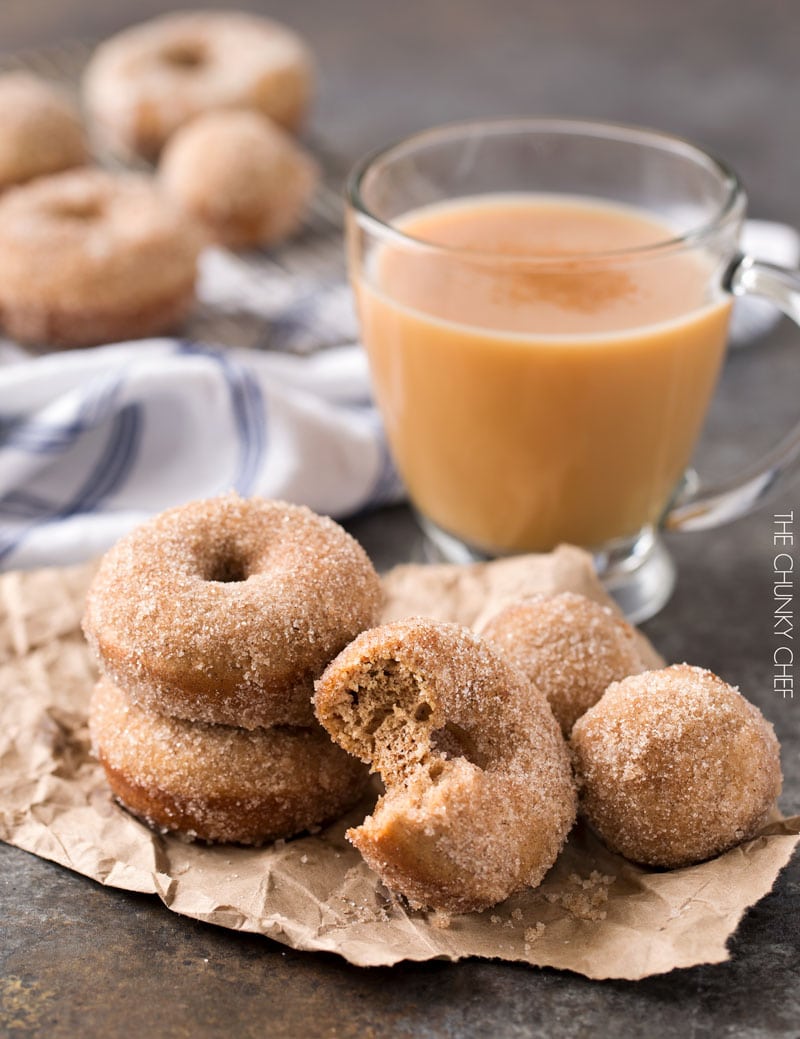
x=94, y=441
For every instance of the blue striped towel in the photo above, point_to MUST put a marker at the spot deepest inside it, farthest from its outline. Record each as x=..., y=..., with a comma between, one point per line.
x=94, y=441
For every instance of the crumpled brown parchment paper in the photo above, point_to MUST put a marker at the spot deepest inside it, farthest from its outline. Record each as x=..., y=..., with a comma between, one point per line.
x=595, y=913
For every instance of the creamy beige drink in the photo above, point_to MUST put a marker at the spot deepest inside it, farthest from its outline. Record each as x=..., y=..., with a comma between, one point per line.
x=537, y=385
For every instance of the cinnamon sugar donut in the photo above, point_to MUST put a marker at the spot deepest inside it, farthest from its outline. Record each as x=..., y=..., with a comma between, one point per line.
x=40, y=131
x=479, y=792
x=88, y=257
x=242, y=177
x=226, y=610
x=217, y=782
x=570, y=647
x=675, y=766
x=146, y=81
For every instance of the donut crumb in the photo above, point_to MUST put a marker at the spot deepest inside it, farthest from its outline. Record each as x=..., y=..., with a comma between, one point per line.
x=533, y=934
x=586, y=900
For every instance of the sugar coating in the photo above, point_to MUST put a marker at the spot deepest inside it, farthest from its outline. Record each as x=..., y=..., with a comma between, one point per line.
x=479, y=792
x=570, y=647
x=220, y=783
x=146, y=81
x=675, y=766
x=226, y=610
x=40, y=131
x=246, y=180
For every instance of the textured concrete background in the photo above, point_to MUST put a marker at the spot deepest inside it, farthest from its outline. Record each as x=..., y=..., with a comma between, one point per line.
x=81, y=960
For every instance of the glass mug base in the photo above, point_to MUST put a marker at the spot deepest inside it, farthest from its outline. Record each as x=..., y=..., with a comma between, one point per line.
x=637, y=572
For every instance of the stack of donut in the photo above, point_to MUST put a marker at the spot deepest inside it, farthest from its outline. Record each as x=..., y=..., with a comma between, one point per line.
x=210, y=624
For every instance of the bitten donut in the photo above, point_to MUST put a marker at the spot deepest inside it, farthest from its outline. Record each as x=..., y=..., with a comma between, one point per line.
x=226, y=610
x=145, y=82
x=40, y=131
x=242, y=177
x=675, y=766
x=569, y=646
x=479, y=792
x=88, y=257
x=217, y=782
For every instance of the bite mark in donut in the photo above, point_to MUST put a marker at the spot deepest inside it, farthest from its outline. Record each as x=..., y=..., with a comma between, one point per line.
x=479, y=792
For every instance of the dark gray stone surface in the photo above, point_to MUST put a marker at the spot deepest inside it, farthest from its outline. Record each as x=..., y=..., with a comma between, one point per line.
x=78, y=960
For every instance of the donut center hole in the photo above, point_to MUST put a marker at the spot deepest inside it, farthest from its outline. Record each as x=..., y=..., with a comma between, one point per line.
x=228, y=569
x=185, y=56
x=452, y=741
x=79, y=210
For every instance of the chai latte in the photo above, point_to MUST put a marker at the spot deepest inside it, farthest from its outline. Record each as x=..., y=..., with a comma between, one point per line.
x=537, y=385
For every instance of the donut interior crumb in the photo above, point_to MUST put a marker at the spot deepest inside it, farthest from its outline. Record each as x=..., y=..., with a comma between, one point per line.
x=385, y=718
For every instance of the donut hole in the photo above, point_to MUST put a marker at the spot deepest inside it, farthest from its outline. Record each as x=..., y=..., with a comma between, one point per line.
x=227, y=569
x=452, y=741
x=185, y=55
x=77, y=210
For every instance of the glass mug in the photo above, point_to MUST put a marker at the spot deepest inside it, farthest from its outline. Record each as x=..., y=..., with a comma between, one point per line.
x=545, y=303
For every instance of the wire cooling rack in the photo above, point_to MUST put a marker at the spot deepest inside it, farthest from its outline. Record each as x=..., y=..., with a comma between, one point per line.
x=293, y=297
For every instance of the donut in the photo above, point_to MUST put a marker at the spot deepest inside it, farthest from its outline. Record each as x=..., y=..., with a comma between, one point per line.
x=40, y=131
x=146, y=81
x=88, y=257
x=226, y=610
x=216, y=782
x=675, y=766
x=479, y=791
x=242, y=177
x=570, y=647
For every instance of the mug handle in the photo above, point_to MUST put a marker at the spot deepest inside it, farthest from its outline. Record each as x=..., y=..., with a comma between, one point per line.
x=702, y=508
